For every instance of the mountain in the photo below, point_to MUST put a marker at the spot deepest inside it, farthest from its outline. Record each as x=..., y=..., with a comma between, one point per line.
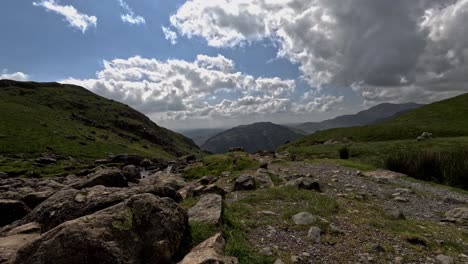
x=199, y=136
x=70, y=120
x=447, y=118
x=254, y=137
x=372, y=115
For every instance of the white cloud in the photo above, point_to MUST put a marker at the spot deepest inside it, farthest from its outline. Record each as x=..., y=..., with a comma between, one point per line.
x=182, y=90
x=418, y=48
x=72, y=16
x=17, y=76
x=169, y=35
x=130, y=16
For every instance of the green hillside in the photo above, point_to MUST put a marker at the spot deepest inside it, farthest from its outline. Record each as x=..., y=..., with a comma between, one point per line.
x=448, y=118
x=70, y=120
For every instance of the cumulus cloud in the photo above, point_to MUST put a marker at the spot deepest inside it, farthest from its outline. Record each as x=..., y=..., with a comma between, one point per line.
x=17, y=76
x=380, y=48
x=169, y=35
x=207, y=88
x=129, y=16
x=72, y=16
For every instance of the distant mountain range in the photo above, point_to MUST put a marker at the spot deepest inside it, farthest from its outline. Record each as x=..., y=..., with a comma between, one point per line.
x=372, y=115
x=254, y=137
x=199, y=136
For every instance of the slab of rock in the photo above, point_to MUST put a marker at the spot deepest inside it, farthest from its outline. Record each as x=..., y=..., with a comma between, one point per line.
x=162, y=178
x=208, y=210
x=131, y=173
x=314, y=234
x=458, y=215
x=305, y=183
x=111, y=177
x=206, y=189
x=34, y=199
x=70, y=204
x=142, y=229
x=245, y=182
x=304, y=218
x=12, y=210
x=209, y=251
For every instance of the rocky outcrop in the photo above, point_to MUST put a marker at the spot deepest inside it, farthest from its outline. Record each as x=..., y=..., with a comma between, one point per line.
x=70, y=204
x=131, y=173
x=209, y=251
x=12, y=210
x=208, y=210
x=142, y=229
x=16, y=238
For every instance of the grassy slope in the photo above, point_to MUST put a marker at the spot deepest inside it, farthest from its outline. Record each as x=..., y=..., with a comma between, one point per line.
x=36, y=118
x=444, y=119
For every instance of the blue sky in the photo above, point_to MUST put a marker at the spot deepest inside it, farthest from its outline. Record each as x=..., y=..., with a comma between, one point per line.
x=237, y=61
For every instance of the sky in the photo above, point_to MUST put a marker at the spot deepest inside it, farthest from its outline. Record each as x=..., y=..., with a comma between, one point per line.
x=207, y=64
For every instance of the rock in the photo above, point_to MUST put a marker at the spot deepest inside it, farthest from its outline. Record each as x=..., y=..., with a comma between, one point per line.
x=244, y=182
x=162, y=178
x=206, y=189
x=106, y=177
x=278, y=261
x=45, y=160
x=305, y=183
x=401, y=199
x=11, y=243
x=131, y=173
x=69, y=204
x=304, y=218
x=208, y=180
x=127, y=159
x=335, y=229
x=315, y=234
x=241, y=149
x=146, y=163
x=208, y=210
x=209, y=251
x=142, y=229
x=225, y=174
x=394, y=214
x=264, y=166
x=266, y=251
x=451, y=200
x=12, y=210
x=377, y=248
x=34, y=199
x=424, y=136
x=263, y=179
x=445, y=259
x=458, y=215
x=188, y=159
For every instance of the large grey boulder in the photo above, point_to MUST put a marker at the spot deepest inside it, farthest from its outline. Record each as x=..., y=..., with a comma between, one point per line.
x=16, y=238
x=70, y=204
x=263, y=179
x=304, y=218
x=131, y=173
x=208, y=210
x=12, y=210
x=209, y=251
x=109, y=177
x=142, y=229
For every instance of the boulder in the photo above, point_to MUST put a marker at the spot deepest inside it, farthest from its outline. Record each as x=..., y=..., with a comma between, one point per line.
x=458, y=215
x=206, y=189
x=263, y=179
x=208, y=210
x=12, y=210
x=443, y=259
x=142, y=229
x=69, y=204
x=162, y=178
x=305, y=183
x=17, y=238
x=4, y=175
x=244, y=182
x=394, y=214
x=304, y=218
x=127, y=159
x=34, y=199
x=208, y=180
x=131, y=173
x=209, y=251
x=111, y=177
x=314, y=234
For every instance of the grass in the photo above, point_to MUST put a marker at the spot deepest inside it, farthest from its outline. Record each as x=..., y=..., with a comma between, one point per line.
x=216, y=164
x=447, y=167
x=202, y=231
x=70, y=120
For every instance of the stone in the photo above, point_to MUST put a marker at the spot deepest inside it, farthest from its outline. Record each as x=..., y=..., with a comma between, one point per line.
x=314, y=234
x=4, y=175
x=142, y=229
x=278, y=261
x=12, y=210
x=10, y=244
x=34, y=199
x=69, y=204
x=264, y=166
x=304, y=218
x=225, y=174
x=445, y=259
x=127, y=159
x=266, y=251
x=335, y=229
x=377, y=248
x=244, y=182
x=106, y=177
x=209, y=251
x=206, y=189
x=401, y=199
x=458, y=215
x=263, y=179
x=131, y=173
x=166, y=179
x=206, y=180
x=208, y=210
x=305, y=183
x=394, y=214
